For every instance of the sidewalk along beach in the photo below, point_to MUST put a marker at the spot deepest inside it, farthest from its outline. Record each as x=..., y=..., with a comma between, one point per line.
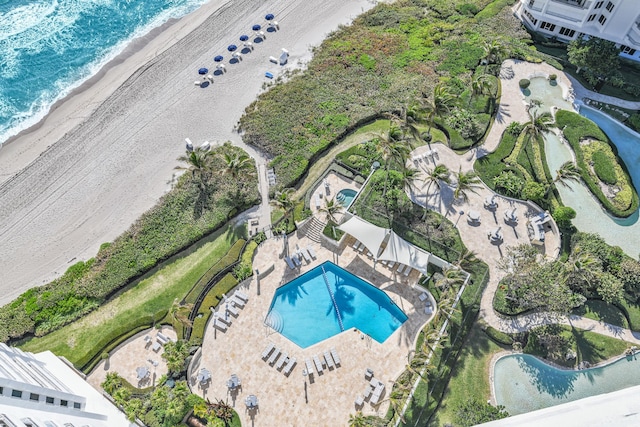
x=106, y=154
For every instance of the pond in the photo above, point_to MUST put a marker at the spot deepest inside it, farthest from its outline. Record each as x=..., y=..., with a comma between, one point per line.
x=523, y=383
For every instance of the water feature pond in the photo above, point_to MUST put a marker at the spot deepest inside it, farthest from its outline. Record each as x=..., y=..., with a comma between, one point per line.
x=523, y=383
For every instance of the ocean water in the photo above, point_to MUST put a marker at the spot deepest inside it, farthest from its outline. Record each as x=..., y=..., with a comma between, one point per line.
x=50, y=47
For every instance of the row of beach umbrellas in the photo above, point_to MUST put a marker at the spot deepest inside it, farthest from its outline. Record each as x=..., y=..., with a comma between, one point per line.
x=233, y=47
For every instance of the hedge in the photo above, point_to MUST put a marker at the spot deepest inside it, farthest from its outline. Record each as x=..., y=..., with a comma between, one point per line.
x=492, y=165
x=576, y=128
x=212, y=299
x=603, y=167
x=498, y=336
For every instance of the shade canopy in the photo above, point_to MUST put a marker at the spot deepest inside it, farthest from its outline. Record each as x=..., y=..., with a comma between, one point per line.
x=203, y=71
x=399, y=250
x=232, y=47
x=256, y=27
x=218, y=58
x=269, y=16
x=244, y=38
x=368, y=234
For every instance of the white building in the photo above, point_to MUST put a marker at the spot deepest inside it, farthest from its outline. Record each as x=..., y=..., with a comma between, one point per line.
x=40, y=390
x=614, y=20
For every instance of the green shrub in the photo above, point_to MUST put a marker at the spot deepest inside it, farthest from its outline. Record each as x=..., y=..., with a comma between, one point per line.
x=603, y=167
x=634, y=122
x=553, y=77
x=563, y=216
x=330, y=229
x=498, y=336
x=509, y=184
x=211, y=300
x=524, y=83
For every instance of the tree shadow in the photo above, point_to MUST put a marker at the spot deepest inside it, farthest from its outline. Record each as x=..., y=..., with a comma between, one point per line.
x=547, y=379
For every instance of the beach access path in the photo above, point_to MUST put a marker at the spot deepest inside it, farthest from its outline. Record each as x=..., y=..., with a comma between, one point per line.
x=107, y=153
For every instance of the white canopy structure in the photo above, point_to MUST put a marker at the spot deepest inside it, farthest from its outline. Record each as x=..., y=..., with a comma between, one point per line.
x=399, y=250
x=368, y=234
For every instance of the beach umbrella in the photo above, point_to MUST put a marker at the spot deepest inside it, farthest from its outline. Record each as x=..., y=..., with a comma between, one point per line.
x=218, y=58
x=269, y=17
x=203, y=71
x=256, y=27
x=232, y=47
x=244, y=38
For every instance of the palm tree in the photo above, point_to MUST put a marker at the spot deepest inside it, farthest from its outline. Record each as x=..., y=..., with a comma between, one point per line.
x=236, y=165
x=466, y=181
x=452, y=277
x=537, y=125
x=391, y=146
x=583, y=266
x=357, y=420
x=436, y=176
x=284, y=200
x=410, y=177
x=568, y=171
x=179, y=313
x=440, y=103
x=331, y=209
x=481, y=85
x=493, y=52
x=198, y=161
x=467, y=259
x=223, y=411
x=408, y=120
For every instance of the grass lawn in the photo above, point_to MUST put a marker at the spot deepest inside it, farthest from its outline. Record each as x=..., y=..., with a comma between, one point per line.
x=470, y=378
x=600, y=310
x=155, y=292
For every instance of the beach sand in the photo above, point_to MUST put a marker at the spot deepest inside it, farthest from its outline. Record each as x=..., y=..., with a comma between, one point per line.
x=107, y=153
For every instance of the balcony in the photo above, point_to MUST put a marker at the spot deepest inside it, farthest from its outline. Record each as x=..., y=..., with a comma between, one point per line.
x=580, y=4
x=567, y=10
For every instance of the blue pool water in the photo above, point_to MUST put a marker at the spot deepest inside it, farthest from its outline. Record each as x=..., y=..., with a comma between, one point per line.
x=346, y=196
x=49, y=47
x=524, y=383
x=303, y=310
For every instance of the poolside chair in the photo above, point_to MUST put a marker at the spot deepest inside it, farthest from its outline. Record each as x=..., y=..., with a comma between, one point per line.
x=328, y=359
x=268, y=349
x=428, y=309
x=220, y=317
x=289, y=263
x=390, y=264
x=356, y=245
x=232, y=309
x=296, y=260
x=335, y=356
x=290, y=364
x=219, y=325
x=316, y=360
x=156, y=346
x=305, y=255
x=407, y=271
x=367, y=392
x=368, y=374
x=237, y=302
x=311, y=252
x=274, y=356
x=281, y=361
x=308, y=366
x=318, y=204
x=400, y=268
x=242, y=295
x=359, y=401
x=423, y=296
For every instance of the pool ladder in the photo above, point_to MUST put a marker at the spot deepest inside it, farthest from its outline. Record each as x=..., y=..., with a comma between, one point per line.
x=333, y=298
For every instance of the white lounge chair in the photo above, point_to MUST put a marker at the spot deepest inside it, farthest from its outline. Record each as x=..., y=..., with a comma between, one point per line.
x=407, y=271
x=242, y=295
x=281, y=361
x=289, y=263
x=356, y=245
x=400, y=268
x=309, y=366
x=305, y=255
x=218, y=324
x=328, y=359
x=311, y=252
x=268, y=349
x=335, y=356
x=237, y=302
x=359, y=401
x=273, y=356
x=316, y=360
x=221, y=318
x=318, y=204
x=231, y=309
x=391, y=264
x=290, y=364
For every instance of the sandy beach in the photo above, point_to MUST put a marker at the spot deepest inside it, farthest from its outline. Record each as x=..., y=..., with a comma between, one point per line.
x=107, y=153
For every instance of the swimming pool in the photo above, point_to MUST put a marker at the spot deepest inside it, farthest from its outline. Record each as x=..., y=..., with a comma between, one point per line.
x=309, y=309
x=523, y=383
x=346, y=196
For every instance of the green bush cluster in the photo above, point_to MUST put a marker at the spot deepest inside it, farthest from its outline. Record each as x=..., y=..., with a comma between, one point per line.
x=524, y=83
x=498, y=336
x=576, y=128
x=604, y=167
x=183, y=216
x=492, y=165
x=634, y=122
x=211, y=300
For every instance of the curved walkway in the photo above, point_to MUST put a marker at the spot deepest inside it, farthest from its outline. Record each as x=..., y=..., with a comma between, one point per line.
x=511, y=108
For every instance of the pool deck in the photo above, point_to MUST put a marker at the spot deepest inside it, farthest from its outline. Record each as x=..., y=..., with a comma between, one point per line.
x=327, y=399
x=323, y=193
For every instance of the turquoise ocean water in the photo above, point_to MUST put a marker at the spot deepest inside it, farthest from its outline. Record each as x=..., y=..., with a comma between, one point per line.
x=49, y=47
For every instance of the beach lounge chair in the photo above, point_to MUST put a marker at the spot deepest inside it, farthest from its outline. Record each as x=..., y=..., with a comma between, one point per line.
x=318, y=204
x=308, y=366
x=274, y=356
x=221, y=317
x=268, y=349
x=356, y=245
x=305, y=255
x=290, y=364
x=407, y=271
x=362, y=248
x=368, y=374
x=311, y=252
x=289, y=263
x=232, y=309
x=281, y=361
x=316, y=360
x=242, y=296
x=335, y=356
x=391, y=264
x=359, y=401
x=237, y=302
x=218, y=324
x=296, y=260
x=367, y=392
x=400, y=268
x=328, y=359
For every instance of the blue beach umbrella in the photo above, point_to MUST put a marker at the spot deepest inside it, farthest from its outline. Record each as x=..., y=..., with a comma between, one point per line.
x=232, y=47
x=203, y=71
x=256, y=27
x=218, y=58
x=244, y=38
x=269, y=17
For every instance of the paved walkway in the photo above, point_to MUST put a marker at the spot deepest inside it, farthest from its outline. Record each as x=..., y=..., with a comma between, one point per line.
x=512, y=108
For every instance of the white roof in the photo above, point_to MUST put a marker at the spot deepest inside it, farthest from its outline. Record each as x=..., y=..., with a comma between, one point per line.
x=399, y=250
x=370, y=235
